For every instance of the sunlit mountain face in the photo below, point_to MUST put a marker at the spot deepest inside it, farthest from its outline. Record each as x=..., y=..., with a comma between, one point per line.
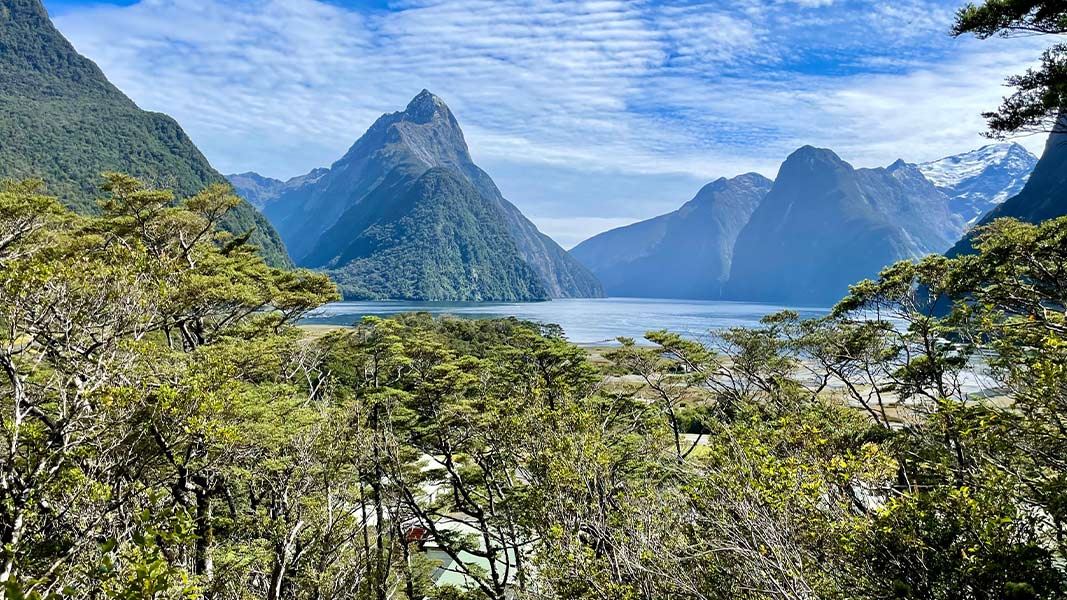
x=978, y=181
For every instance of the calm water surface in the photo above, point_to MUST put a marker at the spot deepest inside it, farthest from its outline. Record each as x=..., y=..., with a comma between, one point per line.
x=585, y=321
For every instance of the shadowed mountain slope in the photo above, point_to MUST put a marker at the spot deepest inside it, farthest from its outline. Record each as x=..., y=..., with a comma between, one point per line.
x=825, y=225
x=683, y=254
x=1045, y=194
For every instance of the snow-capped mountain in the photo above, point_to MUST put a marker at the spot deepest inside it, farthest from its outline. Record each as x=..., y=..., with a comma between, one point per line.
x=980, y=180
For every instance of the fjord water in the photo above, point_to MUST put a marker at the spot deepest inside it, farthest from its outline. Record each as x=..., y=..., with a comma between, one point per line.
x=584, y=321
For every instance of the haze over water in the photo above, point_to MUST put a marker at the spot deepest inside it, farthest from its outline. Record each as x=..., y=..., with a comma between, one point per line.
x=584, y=321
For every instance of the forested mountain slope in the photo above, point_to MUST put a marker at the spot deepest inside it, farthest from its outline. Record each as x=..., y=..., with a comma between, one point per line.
x=321, y=215
x=62, y=121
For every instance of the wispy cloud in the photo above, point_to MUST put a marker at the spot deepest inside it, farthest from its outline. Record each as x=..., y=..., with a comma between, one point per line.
x=677, y=90
x=570, y=231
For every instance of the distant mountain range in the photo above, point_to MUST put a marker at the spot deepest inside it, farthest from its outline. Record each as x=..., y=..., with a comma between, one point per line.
x=62, y=121
x=819, y=227
x=1043, y=197
x=976, y=182
x=258, y=190
x=406, y=214
x=825, y=225
x=683, y=254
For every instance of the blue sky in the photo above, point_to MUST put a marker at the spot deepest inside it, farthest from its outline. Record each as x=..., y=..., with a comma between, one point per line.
x=588, y=114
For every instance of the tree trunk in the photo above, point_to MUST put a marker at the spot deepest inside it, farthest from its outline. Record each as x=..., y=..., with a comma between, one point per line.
x=205, y=535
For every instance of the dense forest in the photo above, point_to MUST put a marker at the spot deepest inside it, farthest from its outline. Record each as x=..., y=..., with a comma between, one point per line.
x=168, y=432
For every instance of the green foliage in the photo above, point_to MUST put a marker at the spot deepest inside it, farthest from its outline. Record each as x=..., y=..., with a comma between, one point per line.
x=1008, y=17
x=980, y=513
x=433, y=238
x=64, y=123
x=144, y=356
x=1041, y=92
x=137, y=567
x=168, y=432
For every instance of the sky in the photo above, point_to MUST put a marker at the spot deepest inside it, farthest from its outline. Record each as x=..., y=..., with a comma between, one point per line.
x=589, y=115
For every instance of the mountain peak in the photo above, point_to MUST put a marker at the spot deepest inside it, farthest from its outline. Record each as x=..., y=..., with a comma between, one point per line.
x=718, y=184
x=745, y=182
x=423, y=96
x=809, y=161
x=32, y=12
x=682, y=254
x=425, y=106
x=330, y=218
x=252, y=175
x=426, y=128
x=904, y=171
x=1018, y=148
x=813, y=154
x=825, y=225
x=979, y=180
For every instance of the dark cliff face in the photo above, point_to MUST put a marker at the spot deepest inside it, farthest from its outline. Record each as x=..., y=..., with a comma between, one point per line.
x=683, y=254
x=319, y=216
x=62, y=121
x=825, y=225
x=1045, y=194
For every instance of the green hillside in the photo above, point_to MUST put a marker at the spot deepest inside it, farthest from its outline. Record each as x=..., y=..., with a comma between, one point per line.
x=435, y=238
x=62, y=121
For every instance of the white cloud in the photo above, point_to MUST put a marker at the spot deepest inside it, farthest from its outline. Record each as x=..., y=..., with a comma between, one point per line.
x=637, y=88
x=570, y=231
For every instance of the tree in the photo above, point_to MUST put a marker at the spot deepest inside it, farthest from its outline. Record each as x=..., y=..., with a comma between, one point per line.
x=133, y=345
x=167, y=432
x=457, y=411
x=981, y=513
x=1041, y=93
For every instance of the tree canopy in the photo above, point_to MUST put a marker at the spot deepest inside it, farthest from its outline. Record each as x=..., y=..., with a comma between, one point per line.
x=1041, y=92
x=169, y=432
